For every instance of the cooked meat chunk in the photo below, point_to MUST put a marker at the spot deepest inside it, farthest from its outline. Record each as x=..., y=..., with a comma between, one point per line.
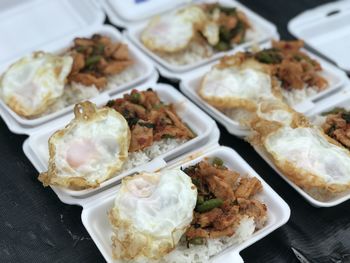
x=110, y=49
x=96, y=58
x=337, y=126
x=220, y=188
x=248, y=187
x=115, y=67
x=78, y=63
x=233, y=25
x=83, y=42
x=288, y=45
x=230, y=177
x=225, y=221
x=208, y=218
x=149, y=119
x=170, y=131
x=136, y=109
x=196, y=232
x=141, y=137
x=178, y=123
x=227, y=232
x=294, y=68
x=219, y=210
x=253, y=208
x=121, y=53
x=150, y=100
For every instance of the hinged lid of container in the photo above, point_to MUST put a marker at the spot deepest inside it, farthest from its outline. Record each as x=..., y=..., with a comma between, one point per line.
x=27, y=25
x=326, y=29
x=125, y=12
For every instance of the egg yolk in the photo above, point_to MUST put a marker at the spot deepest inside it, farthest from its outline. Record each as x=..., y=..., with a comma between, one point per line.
x=80, y=153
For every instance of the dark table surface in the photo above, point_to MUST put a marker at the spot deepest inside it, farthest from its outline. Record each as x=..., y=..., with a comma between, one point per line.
x=36, y=227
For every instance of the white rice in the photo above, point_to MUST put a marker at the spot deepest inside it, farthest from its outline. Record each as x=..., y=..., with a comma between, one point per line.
x=203, y=253
x=127, y=75
x=197, y=52
x=194, y=53
x=151, y=152
x=296, y=96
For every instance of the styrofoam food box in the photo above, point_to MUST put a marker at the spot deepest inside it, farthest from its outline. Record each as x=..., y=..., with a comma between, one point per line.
x=36, y=146
x=326, y=29
x=95, y=219
x=265, y=30
x=190, y=83
x=341, y=99
x=142, y=66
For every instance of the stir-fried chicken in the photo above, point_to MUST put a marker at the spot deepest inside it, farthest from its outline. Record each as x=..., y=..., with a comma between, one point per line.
x=292, y=66
x=96, y=58
x=223, y=200
x=150, y=119
x=248, y=187
x=337, y=126
x=206, y=219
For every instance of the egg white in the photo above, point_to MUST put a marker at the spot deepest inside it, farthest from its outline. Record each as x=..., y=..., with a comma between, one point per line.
x=173, y=32
x=231, y=87
x=89, y=150
x=32, y=84
x=309, y=150
x=151, y=213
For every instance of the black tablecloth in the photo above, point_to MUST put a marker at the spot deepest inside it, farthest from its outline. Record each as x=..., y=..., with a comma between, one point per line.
x=36, y=227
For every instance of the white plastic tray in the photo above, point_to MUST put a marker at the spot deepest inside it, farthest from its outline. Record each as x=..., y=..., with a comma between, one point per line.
x=265, y=30
x=190, y=83
x=142, y=66
x=95, y=220
x=326, y=29
x=36, y=146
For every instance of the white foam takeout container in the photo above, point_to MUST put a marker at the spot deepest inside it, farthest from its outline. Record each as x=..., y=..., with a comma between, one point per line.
x=326, y=29
x=36, y=146
x=95, y=219
x=340, y=99
x=190, y=83
x=265, y=29
x=74, y=21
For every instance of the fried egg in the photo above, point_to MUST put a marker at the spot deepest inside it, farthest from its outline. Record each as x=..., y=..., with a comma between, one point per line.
x=310, y=158
x=150, y=214
x=32, y=84
x=276, y=111
x=232, y=87
x=173, y=32
x=89, y=150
